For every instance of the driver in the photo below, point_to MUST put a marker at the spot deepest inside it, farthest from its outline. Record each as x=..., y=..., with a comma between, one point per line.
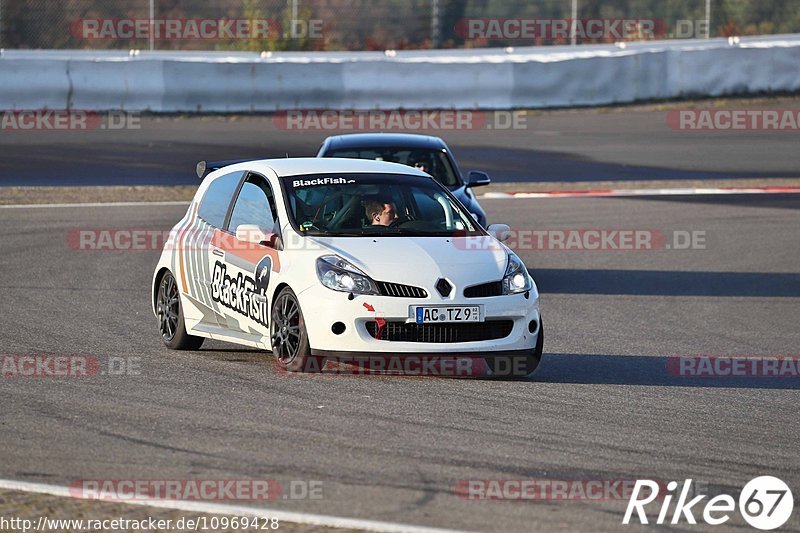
x=420, y=161
x=380, y=212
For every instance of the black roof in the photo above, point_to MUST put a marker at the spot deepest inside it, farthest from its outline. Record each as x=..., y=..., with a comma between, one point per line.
x=389, y=140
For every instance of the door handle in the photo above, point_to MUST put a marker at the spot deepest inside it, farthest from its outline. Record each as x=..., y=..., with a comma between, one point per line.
x=218, y=252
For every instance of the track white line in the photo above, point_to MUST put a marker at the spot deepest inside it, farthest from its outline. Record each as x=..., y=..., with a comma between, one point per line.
x=235, y=510
x=640, y=192
x=98, y=204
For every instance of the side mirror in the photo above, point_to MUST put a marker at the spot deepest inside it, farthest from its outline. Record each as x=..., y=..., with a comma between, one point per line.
x=501, y=232
x=256, y=235
x=478, y=179
x=201, y=170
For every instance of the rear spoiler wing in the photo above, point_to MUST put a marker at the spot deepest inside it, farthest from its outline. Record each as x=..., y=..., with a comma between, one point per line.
x=204, y=168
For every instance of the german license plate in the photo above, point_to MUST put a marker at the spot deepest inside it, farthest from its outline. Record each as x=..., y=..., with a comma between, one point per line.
x=448, y=314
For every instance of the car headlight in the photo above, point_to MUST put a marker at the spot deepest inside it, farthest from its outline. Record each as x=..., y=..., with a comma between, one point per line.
x=340, y=275
x=516, y=279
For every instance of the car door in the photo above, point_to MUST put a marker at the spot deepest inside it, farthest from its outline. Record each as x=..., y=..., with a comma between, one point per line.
x=244, y=279
x=198, y=244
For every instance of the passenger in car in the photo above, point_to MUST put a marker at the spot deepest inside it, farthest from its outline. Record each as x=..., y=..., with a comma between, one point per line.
x=420, y=161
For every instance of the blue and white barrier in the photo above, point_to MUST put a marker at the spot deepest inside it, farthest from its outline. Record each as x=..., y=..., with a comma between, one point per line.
x=530, y=77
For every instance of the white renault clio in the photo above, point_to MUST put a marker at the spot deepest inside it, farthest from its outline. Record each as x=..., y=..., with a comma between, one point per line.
x=339, y=258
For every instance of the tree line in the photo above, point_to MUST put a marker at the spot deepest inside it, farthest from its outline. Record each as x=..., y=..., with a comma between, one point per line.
x=375, y=24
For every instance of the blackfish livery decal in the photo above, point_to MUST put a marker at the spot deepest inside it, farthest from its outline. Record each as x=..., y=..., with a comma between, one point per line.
x=243, y=294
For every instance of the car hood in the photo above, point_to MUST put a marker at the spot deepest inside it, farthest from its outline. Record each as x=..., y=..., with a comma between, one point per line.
x=422, y=261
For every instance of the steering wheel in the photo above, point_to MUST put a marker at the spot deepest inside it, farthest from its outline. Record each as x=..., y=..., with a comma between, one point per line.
x=325, y=201
x=402, y=219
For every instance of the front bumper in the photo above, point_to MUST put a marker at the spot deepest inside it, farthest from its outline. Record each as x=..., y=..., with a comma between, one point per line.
x=324, y=308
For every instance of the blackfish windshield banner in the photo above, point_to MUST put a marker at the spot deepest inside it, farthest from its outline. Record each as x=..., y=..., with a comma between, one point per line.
x=243, y=294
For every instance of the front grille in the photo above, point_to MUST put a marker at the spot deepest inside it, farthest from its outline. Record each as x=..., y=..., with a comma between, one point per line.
x=397, y=290
x=441, y=333
x=486, y=290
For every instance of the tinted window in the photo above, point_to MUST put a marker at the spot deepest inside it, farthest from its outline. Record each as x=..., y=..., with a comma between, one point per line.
x=434, y=162
x=427, y=206
x=214, y=207
x=255, y=205
x=367, y=205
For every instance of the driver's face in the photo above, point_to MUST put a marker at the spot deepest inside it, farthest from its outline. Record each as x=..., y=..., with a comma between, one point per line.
x=387, y=216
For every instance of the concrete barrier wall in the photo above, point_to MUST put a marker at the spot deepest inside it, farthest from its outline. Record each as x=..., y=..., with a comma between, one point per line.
x=465, y=79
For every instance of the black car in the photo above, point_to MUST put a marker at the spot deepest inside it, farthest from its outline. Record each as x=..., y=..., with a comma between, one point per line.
x=427, y=153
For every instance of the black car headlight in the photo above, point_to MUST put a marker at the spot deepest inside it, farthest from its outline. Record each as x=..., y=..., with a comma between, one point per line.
x=516, y=279
x=338, y=274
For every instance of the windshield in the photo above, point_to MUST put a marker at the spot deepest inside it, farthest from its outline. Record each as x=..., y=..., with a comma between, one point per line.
x=434, y=162
x=369, y=205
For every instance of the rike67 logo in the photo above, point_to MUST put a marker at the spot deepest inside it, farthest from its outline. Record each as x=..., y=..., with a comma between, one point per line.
x=766, y=503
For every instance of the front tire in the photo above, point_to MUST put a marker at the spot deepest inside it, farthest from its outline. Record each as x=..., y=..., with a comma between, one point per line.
x=171, y=322
x=288, y=335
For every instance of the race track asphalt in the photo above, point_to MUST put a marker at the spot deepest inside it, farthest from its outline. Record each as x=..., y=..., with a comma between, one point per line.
x=602, y=407
x=622, y=144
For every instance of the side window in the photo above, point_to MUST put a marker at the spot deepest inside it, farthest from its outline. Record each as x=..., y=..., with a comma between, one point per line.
x=214, y=207
x=255, y=205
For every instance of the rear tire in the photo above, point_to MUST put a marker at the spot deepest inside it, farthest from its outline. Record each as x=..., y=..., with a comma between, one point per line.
x=171, y=322
x=288, y=335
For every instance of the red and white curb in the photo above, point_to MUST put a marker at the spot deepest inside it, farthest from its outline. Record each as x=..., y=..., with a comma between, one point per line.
x=640, y=192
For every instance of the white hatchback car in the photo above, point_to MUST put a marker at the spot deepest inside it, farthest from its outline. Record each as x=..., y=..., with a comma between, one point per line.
x=339, y=258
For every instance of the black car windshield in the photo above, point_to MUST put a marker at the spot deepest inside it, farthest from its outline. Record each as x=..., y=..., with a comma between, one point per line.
x=370, y=205
x=434, y=162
